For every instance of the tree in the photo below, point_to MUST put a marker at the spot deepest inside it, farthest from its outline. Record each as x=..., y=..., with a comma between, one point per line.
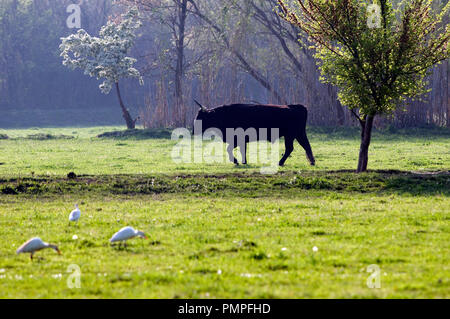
x=27, y=63
x=376, y=54
x=173, y=15
x=289, y=39
x=221, y=24
x=105, y=57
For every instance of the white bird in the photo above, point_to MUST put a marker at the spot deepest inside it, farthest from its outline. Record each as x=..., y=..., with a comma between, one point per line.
x=126, y=233
x=35, y=244
x=75, y=214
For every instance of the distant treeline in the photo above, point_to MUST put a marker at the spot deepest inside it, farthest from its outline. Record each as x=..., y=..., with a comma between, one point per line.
x=216, y=51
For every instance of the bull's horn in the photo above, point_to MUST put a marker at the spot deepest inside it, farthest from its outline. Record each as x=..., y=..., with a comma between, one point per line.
x=201, y=106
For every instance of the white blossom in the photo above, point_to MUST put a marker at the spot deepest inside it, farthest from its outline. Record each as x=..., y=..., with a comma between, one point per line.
x=104, y=57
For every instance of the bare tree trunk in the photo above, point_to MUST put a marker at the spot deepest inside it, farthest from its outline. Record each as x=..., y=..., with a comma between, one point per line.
x=259, y=77
x=179, y=71
x=131, y=124
x=243, y=63
x=446, y=93
x=366, y=138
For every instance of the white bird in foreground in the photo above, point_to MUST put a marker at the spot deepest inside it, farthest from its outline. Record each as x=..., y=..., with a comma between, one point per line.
x=34, y=245
x=126, y=233
x=75, y=214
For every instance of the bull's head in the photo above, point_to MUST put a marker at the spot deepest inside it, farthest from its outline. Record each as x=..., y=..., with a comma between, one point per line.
x=203, y=116
x=202, y=108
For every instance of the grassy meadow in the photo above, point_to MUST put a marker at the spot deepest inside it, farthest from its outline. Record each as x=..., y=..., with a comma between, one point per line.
x=219, y=231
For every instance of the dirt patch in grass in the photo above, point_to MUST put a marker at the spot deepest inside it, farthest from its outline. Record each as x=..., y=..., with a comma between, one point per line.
x=246, y=185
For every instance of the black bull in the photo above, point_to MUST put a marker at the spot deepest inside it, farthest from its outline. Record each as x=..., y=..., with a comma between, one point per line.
x=290, y=120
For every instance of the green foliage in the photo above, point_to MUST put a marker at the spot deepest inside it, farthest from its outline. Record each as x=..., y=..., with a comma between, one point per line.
x=375, y=66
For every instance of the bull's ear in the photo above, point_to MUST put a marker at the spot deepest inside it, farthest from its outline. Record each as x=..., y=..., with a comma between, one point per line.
x=201, y=106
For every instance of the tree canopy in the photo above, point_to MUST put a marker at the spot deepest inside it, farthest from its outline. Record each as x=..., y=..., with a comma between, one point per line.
x=376, y=67
x=377, y=55
x=105, y=57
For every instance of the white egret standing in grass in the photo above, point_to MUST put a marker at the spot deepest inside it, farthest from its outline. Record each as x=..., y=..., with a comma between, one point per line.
x=126, y=233
x=35, y=244
x=75, y=214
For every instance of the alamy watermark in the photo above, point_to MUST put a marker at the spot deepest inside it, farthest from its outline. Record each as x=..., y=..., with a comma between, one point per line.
x=374, y=16
x=194, y=150
x=74, y=19
x=74, y=279
x=374, y=280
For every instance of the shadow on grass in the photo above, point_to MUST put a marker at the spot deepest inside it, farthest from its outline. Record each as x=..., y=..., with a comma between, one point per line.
x=243, y=184
x=138, y=134
x=389, y=133
x=420, y=183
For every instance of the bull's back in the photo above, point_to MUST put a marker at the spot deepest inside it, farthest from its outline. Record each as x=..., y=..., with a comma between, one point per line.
x=285, y=118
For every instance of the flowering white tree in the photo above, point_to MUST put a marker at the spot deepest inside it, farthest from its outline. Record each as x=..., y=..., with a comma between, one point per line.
x=105, y=57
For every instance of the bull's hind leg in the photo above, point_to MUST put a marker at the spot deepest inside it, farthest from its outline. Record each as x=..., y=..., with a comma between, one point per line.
x=289, y=142
x=231, y=155
x=243, y=149
x=304, y=142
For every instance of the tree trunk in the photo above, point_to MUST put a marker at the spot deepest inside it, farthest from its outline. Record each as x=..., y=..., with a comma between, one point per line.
x=446, y=93
x=366, y=137
x=131, y=124
x=179, y=71
x=244, y=64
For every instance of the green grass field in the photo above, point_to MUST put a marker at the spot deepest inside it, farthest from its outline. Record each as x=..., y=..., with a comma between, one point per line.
x=217, y=231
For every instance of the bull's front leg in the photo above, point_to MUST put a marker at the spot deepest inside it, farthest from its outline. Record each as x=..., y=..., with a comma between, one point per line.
x=231, y=155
